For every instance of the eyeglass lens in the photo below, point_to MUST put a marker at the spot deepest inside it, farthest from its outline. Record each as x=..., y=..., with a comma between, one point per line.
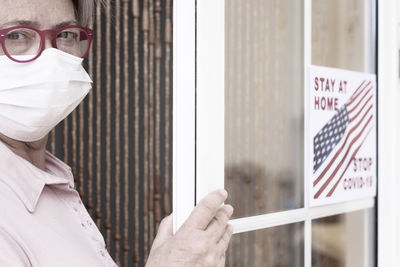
x=25, y=41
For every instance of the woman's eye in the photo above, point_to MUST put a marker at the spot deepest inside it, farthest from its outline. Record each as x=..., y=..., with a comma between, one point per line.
x=15, y=36
x=67, y=35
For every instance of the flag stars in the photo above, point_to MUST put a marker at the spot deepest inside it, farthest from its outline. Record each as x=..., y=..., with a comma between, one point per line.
x=329, y=136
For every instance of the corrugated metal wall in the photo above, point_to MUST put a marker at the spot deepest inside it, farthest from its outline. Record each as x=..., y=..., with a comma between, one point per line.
x=118, y=142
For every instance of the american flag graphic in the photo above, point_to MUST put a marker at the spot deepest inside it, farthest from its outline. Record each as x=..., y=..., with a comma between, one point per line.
x=339, y=141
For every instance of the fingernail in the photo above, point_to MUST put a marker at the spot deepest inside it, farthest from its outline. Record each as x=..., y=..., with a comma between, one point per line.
x=230, y=228
x=224, y=193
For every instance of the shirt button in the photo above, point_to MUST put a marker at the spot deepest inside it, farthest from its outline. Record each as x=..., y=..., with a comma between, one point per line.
x=102, y=253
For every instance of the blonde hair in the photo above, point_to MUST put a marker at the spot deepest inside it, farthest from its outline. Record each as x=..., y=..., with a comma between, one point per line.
x=83, y=11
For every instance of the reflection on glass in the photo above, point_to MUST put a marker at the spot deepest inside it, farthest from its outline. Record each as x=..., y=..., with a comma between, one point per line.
x=263, y=105
x=343, y=34
x=281, y=246
x=346, y=240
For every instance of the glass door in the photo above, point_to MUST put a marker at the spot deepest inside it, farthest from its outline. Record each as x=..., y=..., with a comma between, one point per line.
x=267, y=49
x=247, y=124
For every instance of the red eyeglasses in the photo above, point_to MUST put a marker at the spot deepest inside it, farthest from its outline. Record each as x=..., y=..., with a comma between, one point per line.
x=24, y=44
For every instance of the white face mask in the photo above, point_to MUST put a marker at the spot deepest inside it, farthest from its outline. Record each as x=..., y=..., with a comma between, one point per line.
x=36, y=96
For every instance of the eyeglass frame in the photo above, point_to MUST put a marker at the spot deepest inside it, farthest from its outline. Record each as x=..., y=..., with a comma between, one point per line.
x=43, y=33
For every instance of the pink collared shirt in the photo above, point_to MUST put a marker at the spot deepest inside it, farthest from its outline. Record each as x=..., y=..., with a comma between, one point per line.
x=43, y=222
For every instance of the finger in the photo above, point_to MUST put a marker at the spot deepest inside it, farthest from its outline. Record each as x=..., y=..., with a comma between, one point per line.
x=206, y=210
x=221, y=261
x=217, y=226
x=165, y=231
x=223, y=243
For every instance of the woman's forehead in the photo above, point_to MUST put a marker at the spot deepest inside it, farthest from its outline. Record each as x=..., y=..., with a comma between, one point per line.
x=43, y=13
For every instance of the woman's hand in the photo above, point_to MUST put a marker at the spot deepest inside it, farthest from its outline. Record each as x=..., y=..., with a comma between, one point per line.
x=201, y=241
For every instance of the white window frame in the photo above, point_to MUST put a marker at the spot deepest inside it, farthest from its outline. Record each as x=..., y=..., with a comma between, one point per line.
x=388, y=134
x=184, y=90
x=191, y=139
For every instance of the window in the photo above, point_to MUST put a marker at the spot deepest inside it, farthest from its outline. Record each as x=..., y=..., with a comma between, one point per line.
x=242, y=125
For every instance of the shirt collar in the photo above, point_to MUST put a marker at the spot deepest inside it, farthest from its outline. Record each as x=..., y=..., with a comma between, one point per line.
x=26, y=180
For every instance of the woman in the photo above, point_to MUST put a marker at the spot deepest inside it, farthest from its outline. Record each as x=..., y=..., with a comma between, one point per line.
x=43, y=222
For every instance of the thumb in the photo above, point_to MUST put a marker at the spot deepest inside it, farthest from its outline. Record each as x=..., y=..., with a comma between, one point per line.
x=165, y=232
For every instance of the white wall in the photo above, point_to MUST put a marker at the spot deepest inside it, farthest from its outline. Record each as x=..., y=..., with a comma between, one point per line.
x=389, y=160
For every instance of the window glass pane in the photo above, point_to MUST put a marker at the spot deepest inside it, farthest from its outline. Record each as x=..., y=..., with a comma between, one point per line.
x=343, y=34
x=264, y=105
x=346, y=240
x=281, y=246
